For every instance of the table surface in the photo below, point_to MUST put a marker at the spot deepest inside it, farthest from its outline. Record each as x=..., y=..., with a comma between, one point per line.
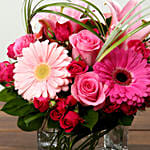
x=12, y=138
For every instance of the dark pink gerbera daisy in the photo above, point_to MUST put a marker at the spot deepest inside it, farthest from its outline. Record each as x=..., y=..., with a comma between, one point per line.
x=127, y=75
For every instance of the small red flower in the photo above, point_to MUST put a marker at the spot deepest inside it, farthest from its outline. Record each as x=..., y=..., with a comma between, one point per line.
x=41, y=103
x=127, y=109
x=139, y=47
x=70, y=121
x=6, y=71
x=55, y=115
x=110, y=107
x=63, y=31
x=77, y=67
x=71, y=101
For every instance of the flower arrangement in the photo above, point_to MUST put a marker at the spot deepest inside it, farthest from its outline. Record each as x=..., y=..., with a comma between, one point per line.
x=78, y=72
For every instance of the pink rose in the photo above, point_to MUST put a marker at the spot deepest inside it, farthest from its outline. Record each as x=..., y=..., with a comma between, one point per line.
x=41, y=103
x=6, y=71
x=139, y=47
x=88, y=90
x=77, y=67
x=70, y=121
x=71, y=101
x=15, y=49
x=63, y=31
x=86, y=45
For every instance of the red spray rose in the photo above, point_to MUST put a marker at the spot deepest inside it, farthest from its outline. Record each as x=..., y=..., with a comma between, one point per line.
x=59, y=110
x=71, y=101
x=63, y=31
x=127, y=109
x=139, y=47
x=77, y=67
x=6, y=71
x=69, y=121
x=41, y=103
x=15, y=49
x=55, y=115
x=110, y=107
x=11, y=53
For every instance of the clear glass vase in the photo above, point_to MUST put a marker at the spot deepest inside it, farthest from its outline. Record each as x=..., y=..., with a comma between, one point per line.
x=116, y=139
x=57, y=139
x=46, y=139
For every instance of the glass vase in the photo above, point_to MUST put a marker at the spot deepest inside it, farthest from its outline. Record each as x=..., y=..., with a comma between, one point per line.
x=46, y=139
x=57, y=139
x=116, y=139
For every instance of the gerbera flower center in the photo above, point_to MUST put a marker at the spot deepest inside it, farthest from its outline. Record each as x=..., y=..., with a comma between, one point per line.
x=122, y=77
x=42, y=71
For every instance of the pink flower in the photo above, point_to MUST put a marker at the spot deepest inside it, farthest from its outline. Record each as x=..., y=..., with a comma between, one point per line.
x=86, y=45
x=42, y=70
x=139, y=47
x=15, y=49
x=89, y=90
x=117, y=13
x=51, y=21
x=71, y=101
x=63, y=31
x=70, y=121
x=77, y=67
x=6, y=71
x=127, y=75
x=10, y=52
x=41, y=103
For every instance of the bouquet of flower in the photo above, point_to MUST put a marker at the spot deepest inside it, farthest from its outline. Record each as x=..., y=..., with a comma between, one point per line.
x=78, y=72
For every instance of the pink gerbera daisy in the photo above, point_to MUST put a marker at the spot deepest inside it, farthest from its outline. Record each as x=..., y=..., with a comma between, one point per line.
x=42, y=70
x=127, y=76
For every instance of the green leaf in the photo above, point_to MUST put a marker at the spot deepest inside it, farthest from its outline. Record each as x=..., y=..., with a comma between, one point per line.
x=52, y=123
x=33, y=116
x=7, y=94
x=32, y=126
x=18, y=107
x=126, y=120
x=91, y=119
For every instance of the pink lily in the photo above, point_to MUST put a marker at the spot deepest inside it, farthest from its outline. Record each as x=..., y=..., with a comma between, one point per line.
x=118, y=13
x=44, y=21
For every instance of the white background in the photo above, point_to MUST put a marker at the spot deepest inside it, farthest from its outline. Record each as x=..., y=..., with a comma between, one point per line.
x=12, y=21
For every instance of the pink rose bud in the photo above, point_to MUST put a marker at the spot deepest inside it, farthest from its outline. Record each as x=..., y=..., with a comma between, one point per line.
x=70, y=121
x=88, y=90
x=71, y=101
x=15, y=49
x=86, y=45
x=77, y=67
x=6, y=71
x=41, y=103
x=63, y=31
